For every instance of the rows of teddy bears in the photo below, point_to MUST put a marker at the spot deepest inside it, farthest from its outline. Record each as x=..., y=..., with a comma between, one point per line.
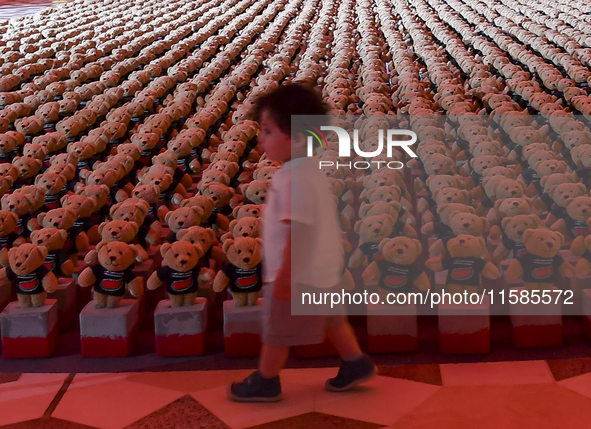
x=110, y=112
x=505, y=173
x=162, y=148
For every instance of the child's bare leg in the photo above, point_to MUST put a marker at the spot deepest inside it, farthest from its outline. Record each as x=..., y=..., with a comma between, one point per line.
x=344, y=340
x=272, y=360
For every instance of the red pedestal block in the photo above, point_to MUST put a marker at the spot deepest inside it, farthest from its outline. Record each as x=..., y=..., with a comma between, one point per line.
x=586, y=311
x=29, y=332
x=109, y=332
x=66, y=303
x=464, y=329
x=83, y=294
x=536, y=326
x=242, y=330
x=394, y=332
x=180, y=331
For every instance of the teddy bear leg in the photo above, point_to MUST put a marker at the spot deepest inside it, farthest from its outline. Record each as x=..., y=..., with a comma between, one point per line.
x=177, y=300
x=253, y=298
x=240, y=299
x=531, y=286
x=453, y=289
x=38, y=300
x=24, y=300
x=546, y=286
x=190, y=298
x=100, y=300
x=113, y=301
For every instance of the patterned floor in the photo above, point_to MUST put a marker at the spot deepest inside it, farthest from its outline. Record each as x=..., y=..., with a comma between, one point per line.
x=529, y=394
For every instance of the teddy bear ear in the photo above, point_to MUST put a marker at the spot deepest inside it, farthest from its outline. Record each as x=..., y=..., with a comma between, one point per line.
x=498, y=204
x=164, y=249
x=535, y=219
x=227, y=244
x=382, y=244
x=442, y=207
x=38, y=179
x=418, y=246
x=568, y=201
x=114, y=209
x=436, y=192
x=101, y=227
x=14, y=216
x=63, y=234
x=43, y=252
x=390, y=219
x=363, y=209
x=259, y=240
x=482, y=242
x=582, y=187
x=41, y=216
x=485, y=223
x=168, y=216
x=560, y=237
x=527, y=234
x=505, y=221
x=232, y=224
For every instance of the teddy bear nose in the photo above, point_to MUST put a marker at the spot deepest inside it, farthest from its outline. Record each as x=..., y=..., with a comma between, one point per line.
x=462, y=241
x=519, y=232
x=247, y=260
x=183, y=261
x=449, y=198
x=114, y=233
x=550, y=245
x=18, y=264
x=400, y=251
x=376, y=230
x=181, y=223
x=11, y=207
x=466, y=225
x=113, y=258
x=584, y=210
x=157, y=182
x=56, y=224
x=515, y=203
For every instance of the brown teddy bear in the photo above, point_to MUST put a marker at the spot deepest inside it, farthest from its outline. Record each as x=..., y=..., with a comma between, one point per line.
x=8, y=236
x=28, y=275
x=62, y=218
x=54, y=185
x=151, y=194
x=23, y=205
x=206, y=238
x=244, y=227
x=248, y=210
x=182, y=218
x=221, y=196
x=512, y=236
x=170, y=160
x=581, y=246
x=209, y=219
x=509, y=207
x=136, y=210
x=463, y=267
x=243, y=273
x=57, y=260
x=28, y=168
x=372, y=230
x=182, y=272
x=117, y=230
x=574, y=224
x=113, y=275
x=539, y=266
x=396, y=269
x=461, y=223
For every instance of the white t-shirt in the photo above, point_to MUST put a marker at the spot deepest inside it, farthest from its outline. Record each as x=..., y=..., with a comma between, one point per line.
x=300, y=192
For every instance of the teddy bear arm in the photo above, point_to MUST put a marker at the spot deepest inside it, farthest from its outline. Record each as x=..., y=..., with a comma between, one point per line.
x=86, y=277
x=372, y=272
x=142, y=255
x=490, y=271
x=437, y=248
x=50, y=282
x=220, y=282
x=91, y=257
x=560, y=226
x=434, y=263
x=550, y=219
x=577, y=247
x=492, y=216
x=345, y=223
x=154, y=233
x=82, y=241
x=356, y=258
x=427, y=228
x=19, y=241
x=480, y=210
x=514, y=271
x=422, y=205
x=121, y=196
x=180, y=189
x=422, y=282
x=67, y=268
x=4, y=257
x=186, y=181
x=566, y=269
x=477, y=193
x=195, y=168
x=582, y=268
x=406, y=205
x=222, y=222
x=206, y=275
x=500, y=253
x=530, y=191
x=3, y=276
x=136, y=287
x=495, y=232
x=154, y=281
x=33, y=225
x=348, y=197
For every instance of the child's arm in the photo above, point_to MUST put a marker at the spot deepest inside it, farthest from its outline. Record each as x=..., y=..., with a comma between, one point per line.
x=282, y=288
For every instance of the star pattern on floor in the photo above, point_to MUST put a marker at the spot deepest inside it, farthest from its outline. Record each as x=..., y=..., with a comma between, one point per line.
x=518, y=394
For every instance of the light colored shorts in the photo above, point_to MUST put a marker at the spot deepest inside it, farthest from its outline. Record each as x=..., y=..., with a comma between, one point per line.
x=281, y=328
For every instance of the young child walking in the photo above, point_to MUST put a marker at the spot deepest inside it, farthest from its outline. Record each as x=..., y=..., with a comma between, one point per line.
x=300, y=206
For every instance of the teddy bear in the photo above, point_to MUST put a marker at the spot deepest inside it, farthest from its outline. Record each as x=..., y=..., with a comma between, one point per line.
x=170, y=160
x=581, y=247
x=254, y=192
x=8, y=236
x=435, y=164
x=151, y=194
x=28, y=168
x=165, y=181
x=538, y=268
x=509, y=207
x=221, y=196
x=464, y=264
x=28, y=276
x=137, y=210
x=182, y=272
x=147, y=142
x=23, y=205
x=53, y=240
x=498, y=188
x=574, y=223
x=118, y=230
x=54, y=185
x=182, y=218
x=396, y=270
x=64, y=218
x=205, y=237
x=371, y=230
x=512, y=236
x=461, y=223
x=243, y=273
x=244, y=227
x=113, y=275
x=99, y=195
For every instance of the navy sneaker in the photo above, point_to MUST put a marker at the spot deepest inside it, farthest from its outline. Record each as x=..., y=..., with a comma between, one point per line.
x=351, y=374
x=255, y=388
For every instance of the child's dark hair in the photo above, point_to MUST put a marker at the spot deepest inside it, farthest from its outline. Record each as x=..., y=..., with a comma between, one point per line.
x=290, y=100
